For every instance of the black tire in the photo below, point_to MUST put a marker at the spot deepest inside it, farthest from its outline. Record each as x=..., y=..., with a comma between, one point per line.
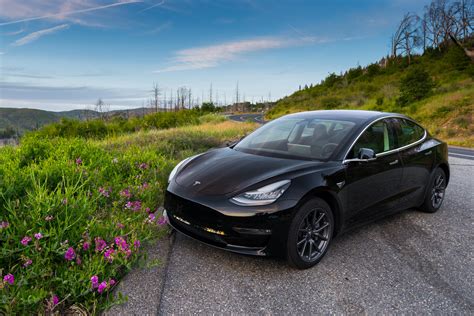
x=435, y=193
x=310, y=234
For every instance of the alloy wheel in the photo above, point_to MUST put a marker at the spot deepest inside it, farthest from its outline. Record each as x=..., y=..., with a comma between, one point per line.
x=313, y=235
x=437, y=193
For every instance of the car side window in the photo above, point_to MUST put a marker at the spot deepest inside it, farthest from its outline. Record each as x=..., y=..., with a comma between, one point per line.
x=409, y=132
x=379, y=137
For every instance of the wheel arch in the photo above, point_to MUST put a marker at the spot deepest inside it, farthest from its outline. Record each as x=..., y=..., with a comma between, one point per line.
x=329, y=197
x=444, y=166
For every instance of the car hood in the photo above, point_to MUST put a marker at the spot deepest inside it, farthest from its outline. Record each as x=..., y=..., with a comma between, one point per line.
x=223, y=171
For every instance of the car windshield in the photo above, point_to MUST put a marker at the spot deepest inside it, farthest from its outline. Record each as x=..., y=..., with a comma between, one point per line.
x=297, y=138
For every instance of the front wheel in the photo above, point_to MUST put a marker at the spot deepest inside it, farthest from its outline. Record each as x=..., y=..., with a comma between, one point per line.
x=310, y=234
x=435, y=194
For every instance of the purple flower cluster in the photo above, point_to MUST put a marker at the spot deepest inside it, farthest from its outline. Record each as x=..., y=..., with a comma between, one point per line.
x=78, y=161
x=133, y=205
x=105, y=192
x=25, y=240
x=100, y=244
x=4, y=225
x=70, y=254
x=143, y=166
x=9, y=278
x=27, y=262
x=126, y=193
x=102, y=286
x=38, y=236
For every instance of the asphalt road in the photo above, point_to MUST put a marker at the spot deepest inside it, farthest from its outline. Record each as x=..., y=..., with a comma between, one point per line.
x=411, y=262
x=457, y=152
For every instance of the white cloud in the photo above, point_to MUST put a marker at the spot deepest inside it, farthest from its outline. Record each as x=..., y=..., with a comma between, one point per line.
x=24, y=11
x=35, y=35
x=212, y=56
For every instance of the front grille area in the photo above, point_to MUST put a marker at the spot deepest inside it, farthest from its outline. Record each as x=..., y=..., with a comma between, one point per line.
x=194, y=219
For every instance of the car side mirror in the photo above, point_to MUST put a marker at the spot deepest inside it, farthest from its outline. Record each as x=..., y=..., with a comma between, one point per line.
x=366, y=154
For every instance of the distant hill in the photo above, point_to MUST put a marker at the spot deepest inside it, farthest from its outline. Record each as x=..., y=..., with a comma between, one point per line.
x=23, y=120
x=445, y=105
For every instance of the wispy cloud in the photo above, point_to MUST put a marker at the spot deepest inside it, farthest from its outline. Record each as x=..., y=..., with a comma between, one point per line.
x=23, y=11
x=154, y=6
x=214, y=55
x=36, y=35
x=160, y=28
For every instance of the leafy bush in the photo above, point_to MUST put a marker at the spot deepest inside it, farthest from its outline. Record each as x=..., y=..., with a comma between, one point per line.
x=76, y=212
x=415, y=86
x=330, y=102
x=456, y=58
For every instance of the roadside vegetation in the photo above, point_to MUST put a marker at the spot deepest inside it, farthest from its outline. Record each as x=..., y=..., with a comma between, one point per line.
x=428, y=76
x=78, y=204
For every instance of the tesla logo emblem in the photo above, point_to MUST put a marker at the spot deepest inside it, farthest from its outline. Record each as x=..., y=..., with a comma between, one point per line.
x=196, y=183
x=341, y=184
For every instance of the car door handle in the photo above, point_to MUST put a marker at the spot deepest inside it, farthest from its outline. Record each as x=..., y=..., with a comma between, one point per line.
x=428, y=153
x=393, y=162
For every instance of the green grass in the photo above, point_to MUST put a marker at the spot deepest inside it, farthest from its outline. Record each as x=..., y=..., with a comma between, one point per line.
x=446, y=111
x=75, y=190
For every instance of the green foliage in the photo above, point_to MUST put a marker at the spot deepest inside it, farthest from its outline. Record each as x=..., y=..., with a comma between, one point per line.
x=415, y=86
x=456, y=58
x=75, y=190
x=330, y=102
x=99, y=128
x=208, y=107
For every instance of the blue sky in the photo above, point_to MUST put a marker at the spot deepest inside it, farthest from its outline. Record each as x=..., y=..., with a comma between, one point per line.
x=60, y=55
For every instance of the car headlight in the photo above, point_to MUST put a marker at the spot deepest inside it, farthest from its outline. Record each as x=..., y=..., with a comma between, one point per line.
x=178, y=166
x=263, y=196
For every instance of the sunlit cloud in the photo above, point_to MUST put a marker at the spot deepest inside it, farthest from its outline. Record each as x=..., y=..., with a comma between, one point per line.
x=36, y=35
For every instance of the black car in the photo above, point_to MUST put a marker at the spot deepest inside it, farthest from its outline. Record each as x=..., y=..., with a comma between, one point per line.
x=289, y=187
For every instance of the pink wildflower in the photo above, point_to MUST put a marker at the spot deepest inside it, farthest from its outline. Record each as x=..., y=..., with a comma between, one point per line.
x=134, y=206
x=78, y=161
x=102, y=287
x=112, y=282
x=145, y=186
x=9, y=278
x=120, y=225
x=25, y=240
x=104, y=192
x=143, y=166
x=94, y=281
x=162, y=220
x=70, y=254
x=151, y=217
x=38, y=236
x=78, y=261
x=55, y=300
x=86, y=246
x=125, y=193
x=4, y=225
x=136, y=244
x=109, y=255
x=100, y=244
x=27, y=262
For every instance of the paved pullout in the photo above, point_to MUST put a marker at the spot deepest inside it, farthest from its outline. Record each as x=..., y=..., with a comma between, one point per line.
x=409, y=263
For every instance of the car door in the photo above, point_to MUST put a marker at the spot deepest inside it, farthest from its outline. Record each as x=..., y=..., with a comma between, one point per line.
x=417, y=160
x=373, y=187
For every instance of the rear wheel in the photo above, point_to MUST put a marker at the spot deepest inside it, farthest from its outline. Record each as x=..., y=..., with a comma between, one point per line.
x=310, y=234
x=435, y=194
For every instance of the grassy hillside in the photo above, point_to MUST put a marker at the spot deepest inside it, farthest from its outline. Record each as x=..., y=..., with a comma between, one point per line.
x=446, y=110
x=75, y=212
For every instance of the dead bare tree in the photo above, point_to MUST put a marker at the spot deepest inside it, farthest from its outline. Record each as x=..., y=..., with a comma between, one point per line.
x=406, y=37
x=156, y=92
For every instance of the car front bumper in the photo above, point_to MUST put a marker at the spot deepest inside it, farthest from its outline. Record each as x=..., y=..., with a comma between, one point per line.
x=261, y=234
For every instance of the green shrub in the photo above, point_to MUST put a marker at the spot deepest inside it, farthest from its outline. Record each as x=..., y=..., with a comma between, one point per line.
x=330, y=102
x=415, y=85
x=456, y=58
